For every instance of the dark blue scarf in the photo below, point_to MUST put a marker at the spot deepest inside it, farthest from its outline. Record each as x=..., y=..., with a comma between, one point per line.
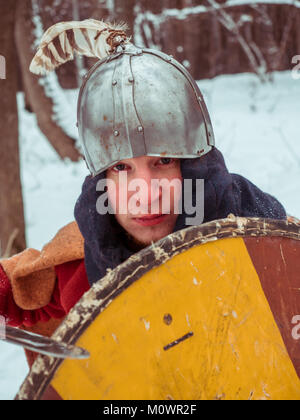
x=105, y=244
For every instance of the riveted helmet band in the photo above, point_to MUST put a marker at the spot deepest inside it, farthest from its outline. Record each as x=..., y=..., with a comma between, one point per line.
x=141, y=102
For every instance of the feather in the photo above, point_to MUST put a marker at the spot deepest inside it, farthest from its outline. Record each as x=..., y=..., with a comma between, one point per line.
x=91, y=38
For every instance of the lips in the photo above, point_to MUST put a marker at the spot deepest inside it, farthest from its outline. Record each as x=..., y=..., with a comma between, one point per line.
x=151, y=220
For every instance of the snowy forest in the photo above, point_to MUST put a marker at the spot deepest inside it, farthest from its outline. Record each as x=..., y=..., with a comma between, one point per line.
x=243, y=54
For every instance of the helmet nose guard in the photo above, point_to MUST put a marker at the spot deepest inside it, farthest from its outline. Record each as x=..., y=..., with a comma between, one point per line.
x=141, y=102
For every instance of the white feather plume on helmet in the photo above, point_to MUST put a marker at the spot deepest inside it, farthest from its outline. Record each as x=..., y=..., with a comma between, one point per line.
x=91, y=38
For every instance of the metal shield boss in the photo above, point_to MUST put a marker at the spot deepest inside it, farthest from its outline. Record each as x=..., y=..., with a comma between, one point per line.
x=141, y=102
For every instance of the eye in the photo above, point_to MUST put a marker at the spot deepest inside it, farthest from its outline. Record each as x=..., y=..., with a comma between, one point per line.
x=166, y=161
x=120, y=167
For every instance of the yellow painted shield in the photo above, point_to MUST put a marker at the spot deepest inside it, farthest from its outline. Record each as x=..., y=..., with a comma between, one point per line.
x=204, y=314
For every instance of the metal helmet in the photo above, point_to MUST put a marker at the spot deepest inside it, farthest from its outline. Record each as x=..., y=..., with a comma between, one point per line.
x=141, y=102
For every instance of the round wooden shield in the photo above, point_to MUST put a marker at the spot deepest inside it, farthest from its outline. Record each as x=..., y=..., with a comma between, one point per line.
x=207, y=313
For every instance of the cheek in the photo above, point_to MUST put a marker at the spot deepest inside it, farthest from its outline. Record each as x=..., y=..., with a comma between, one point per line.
x=118, y=197
x=177, y=194
x=176, y=190
x=112, y=197
x=113, y=194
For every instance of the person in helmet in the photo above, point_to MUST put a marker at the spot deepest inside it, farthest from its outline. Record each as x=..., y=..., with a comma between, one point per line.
x=153, y=124
x=141, y=116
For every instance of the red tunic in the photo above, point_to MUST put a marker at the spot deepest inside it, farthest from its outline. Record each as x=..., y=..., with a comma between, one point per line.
x=71, y=284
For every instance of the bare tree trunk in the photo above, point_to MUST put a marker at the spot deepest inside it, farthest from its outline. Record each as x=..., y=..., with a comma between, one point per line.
x=279, y=58
x=297, y=32
x=12, y=224
x=124, y=11
x=42, y=105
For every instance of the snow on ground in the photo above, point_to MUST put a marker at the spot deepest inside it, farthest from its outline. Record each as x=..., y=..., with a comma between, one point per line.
x=256, y=128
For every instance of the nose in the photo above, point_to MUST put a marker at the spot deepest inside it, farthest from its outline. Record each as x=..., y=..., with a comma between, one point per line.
x=148, y=192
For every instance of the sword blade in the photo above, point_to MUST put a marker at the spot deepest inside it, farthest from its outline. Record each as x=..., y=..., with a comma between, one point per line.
x=43, y=345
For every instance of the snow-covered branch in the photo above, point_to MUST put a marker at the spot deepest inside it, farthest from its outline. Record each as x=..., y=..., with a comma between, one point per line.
x=182, y=14
x=146, y=26
x=234, y=3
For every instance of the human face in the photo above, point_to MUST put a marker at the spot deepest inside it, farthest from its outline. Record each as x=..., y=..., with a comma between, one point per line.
x=146, y=226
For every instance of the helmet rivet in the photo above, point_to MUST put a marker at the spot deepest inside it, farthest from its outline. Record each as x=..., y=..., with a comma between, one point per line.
x=131, y=79
x=140, y=129
x=116, y=133
x=114, y=83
